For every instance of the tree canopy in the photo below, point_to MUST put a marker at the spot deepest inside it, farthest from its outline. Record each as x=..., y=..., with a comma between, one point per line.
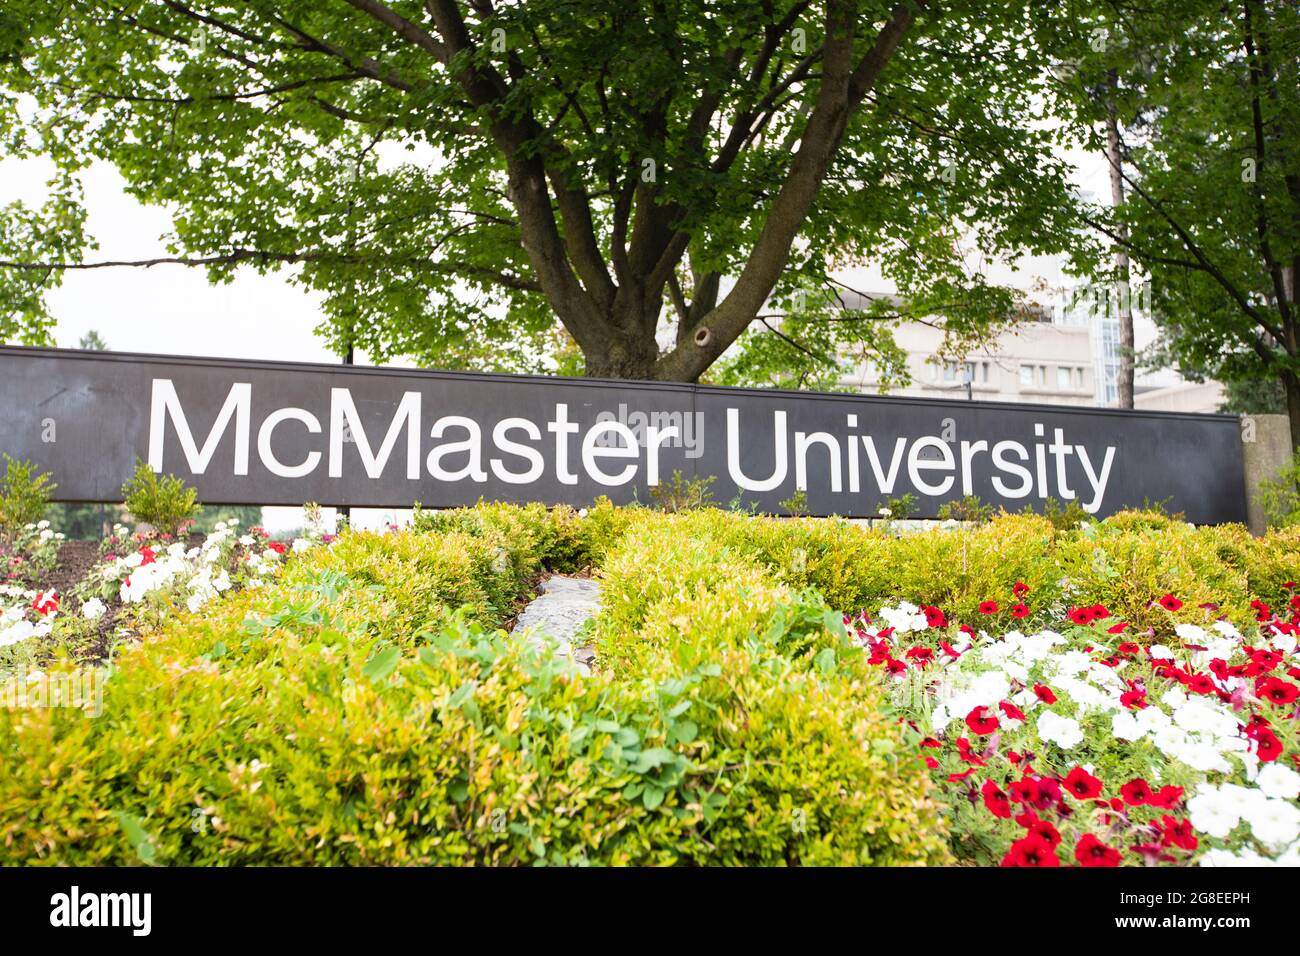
x=1210, y=157
x=463, y=179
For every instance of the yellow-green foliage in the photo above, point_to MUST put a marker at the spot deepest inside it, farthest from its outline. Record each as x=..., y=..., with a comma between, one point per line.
x=561, y=538
x=1125, y=563
x=957, y=569
x=1129, y=569
x=346, y=714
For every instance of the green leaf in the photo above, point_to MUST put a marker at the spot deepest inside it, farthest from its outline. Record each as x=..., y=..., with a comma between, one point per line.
x=381, y=664
x=686, y=731
x=138, y=837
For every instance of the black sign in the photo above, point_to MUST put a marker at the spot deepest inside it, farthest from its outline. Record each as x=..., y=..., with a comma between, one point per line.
x=283, y=434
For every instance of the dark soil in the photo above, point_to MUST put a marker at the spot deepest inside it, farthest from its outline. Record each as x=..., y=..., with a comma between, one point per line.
x=76, y=558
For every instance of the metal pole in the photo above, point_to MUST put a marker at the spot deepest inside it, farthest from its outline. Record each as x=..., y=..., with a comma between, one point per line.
x=345, y=512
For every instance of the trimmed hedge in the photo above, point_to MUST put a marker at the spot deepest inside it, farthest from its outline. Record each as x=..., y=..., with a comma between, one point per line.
x=1124, y=562
x=351, y=714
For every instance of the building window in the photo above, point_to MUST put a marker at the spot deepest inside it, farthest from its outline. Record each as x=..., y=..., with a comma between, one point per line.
x=1079, y=379
x=1062, y=377
x=1026, y=376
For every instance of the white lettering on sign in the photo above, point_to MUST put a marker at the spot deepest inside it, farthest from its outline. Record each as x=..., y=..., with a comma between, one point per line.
x=612, y=453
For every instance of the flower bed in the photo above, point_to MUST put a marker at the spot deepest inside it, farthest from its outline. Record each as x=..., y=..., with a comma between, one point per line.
x=138, y=577
x=1082, y=744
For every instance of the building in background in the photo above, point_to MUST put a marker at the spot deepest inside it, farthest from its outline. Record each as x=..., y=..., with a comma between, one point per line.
x=1068, y=356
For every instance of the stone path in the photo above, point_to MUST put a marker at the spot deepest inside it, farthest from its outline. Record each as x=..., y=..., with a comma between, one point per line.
x=564, y=605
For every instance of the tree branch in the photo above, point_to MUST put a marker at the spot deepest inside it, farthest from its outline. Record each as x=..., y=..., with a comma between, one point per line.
x=265, y=257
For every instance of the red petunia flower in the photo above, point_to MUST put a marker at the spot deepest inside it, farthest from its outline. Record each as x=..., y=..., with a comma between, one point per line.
x=278, y=547
x=966, y=754
x=1032, y=850
x=147, y=556
x=1177, y=833
x=1267, y=747
x=1011, y=711
x=1170, y=603
x=996, y=800
x=934, y=617
x=1153, y=853
x=1134, y=699
x=1081, y=784
x=1020, y=589
x=1128, y=648
x=47, y=602
x=1047, y=832
x=988, y=607
x=1262, y=611
x=1040, y=793
x=1117, y=628
x=1044, y=693
x=1166, y=798
x=981, y=722
x=1099, y=612
x=1277, y=691
x=955, y=777
x=1136, y=793
x=1080, y=615
x=922, y=655
x=1201, y=684
x=1090, y=851
x=1019, y=610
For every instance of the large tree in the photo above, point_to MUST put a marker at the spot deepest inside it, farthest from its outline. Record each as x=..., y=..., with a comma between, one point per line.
x=455, y=177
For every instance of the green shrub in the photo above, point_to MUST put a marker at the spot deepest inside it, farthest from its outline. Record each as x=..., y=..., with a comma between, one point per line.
x=1064, y=517
x=162, y=501
x=24, y=494
x=308, y=724
x=968, y=508
x=680, y=493
x=1279, y=496
x=560, y=538
x=1128, y=566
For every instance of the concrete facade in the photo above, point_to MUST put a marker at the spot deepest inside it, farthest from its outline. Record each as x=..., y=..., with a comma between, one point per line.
x=1266, y=448
x=1065, y=358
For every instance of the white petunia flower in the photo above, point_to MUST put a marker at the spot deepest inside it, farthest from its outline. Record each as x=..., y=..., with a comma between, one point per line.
x=1227, y=629
x=1063, y=731
x=93, y=609
x=1126, y=727
x=1273, y=822
x=1278, y=781
x=1212, y=812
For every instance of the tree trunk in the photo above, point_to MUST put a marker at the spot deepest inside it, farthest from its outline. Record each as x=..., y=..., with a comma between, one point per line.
x=626, y=356
x=1291, y=386
x=1123, y=299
